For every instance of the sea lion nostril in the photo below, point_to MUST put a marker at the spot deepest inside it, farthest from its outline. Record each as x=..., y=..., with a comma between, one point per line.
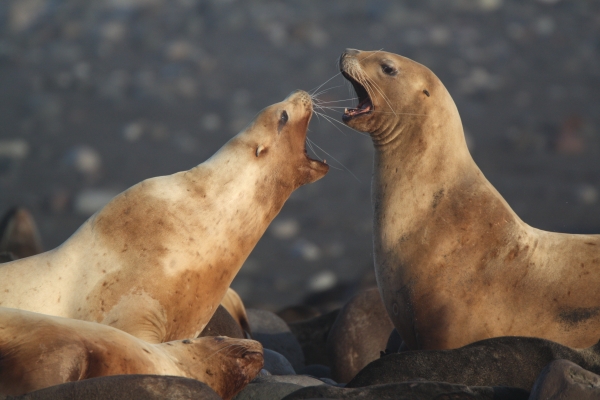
x=351, y=52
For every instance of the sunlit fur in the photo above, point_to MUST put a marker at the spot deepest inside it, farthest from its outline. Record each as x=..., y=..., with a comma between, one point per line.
x=454, y=263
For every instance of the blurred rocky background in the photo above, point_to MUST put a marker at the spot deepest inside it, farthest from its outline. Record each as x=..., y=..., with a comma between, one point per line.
x=96, y=96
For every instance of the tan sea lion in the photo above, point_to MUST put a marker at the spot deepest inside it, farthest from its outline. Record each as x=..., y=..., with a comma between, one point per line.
x=157, y=260
x=39, y=350
x=454, y=263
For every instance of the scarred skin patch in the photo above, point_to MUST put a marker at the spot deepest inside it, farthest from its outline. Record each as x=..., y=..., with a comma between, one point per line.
x=157, y=260
x=453, y=261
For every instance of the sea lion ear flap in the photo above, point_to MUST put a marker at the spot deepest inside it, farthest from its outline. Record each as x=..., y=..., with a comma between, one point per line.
x=260, y=150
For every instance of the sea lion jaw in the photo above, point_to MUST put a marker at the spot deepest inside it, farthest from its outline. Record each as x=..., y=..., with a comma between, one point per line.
x=278, y=136
x=389, y=88
x=226, y=365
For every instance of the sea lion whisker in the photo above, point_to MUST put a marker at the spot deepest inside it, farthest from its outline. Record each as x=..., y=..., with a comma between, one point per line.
x=381, y=112
x=336, y=101
x=321, y=85
x=310, y=146
x=334, y=159
x=328, y=119
x=217, y=351
x=314, y=96
x=332, y=120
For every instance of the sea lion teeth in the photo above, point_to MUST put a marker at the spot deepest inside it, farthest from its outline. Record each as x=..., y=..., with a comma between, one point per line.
x=453, y=261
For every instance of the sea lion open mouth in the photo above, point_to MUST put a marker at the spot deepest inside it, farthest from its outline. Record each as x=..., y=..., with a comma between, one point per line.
x=365, y=105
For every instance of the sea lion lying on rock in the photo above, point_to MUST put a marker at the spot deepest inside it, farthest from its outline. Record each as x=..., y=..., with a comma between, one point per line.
x=37, y=351
x=157, y=260
x=454, y=263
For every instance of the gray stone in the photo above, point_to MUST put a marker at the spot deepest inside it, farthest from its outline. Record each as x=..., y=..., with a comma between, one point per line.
x=359, y=335
x=266, y=391
x=273, y=333
x=563, y=379
x=131, y=387
x=411, y=391
x=301, y=380
x=277, y=364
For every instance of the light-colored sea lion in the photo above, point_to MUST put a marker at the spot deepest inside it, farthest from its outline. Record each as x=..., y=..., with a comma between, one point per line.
x=37, y=351
x=454, y=263
x=157, y=260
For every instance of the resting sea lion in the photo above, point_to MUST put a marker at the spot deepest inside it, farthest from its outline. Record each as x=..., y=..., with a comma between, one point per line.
x=37, y=351
x=157, y=260
x=454, y=263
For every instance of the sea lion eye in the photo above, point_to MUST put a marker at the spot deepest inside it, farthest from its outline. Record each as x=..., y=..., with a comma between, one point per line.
x=389, y=70
x=282, y=120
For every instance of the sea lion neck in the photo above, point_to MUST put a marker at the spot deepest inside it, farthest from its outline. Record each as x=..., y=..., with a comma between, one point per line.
x=417, y=149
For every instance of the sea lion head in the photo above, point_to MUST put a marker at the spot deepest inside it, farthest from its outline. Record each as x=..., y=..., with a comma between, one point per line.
x=392, y=90
x=226, y=365
x=276, y=139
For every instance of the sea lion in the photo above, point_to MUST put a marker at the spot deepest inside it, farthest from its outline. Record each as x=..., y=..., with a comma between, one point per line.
x=505, y=361
x=157, y=260
x=39, y=350
x=454, y=263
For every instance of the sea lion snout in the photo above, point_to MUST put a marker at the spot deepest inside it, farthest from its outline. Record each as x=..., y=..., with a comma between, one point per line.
x=347, y=54
x=301, y=97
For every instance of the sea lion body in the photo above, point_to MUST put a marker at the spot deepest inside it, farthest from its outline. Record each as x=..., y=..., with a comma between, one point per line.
x=41, y=350
x=454, y=263
x=157, y=260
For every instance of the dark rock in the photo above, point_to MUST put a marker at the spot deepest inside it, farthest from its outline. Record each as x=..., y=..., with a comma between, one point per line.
x=394, y=342
x=411, y=391
x=316, y=370
x=312, y=336
x=277, y=364
x=562, y=379
x=130, y=387
x=223, y=324
x=503, y=361
x=298, y=313
x=273, y=333
x=359, y=335
x=301, y=380
x=266, y=391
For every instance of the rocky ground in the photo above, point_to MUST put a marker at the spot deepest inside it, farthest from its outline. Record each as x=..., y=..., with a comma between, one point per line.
x=97, y=96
